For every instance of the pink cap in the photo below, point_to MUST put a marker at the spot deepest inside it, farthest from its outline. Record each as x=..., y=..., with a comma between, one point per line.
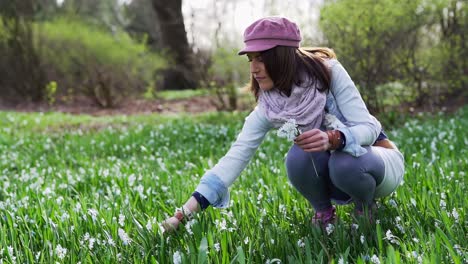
x=269, y=32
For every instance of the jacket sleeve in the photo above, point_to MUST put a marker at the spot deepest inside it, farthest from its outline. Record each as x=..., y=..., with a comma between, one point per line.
x=362, y=129
x=216, y=181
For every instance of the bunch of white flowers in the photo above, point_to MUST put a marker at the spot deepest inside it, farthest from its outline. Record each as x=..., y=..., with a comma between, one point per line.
x=177, y=257
x=289, y=130
x=124, y=237
x=60, y=251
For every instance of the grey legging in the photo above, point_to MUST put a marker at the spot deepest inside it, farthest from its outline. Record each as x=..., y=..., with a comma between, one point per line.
x=340, y=176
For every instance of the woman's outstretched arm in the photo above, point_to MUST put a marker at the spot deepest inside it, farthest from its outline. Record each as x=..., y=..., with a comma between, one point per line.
x=213, y=186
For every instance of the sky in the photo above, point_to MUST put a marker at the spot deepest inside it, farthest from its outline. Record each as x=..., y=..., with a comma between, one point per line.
x=202, y=17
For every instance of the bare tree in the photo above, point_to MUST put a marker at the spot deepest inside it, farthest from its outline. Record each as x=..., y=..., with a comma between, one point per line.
x=174, y=40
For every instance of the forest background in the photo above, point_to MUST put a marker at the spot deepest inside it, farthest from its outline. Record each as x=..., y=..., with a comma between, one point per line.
x=109, y=54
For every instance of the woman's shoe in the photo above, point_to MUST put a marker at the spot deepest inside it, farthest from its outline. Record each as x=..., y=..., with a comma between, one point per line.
x=323, y=218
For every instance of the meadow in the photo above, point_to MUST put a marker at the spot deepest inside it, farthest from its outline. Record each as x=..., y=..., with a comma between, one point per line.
x=83, y=189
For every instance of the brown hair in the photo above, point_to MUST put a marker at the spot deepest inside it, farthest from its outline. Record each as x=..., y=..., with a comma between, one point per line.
x=286, y=64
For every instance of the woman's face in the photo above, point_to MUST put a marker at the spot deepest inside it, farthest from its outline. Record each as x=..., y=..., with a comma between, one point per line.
x=259, y=72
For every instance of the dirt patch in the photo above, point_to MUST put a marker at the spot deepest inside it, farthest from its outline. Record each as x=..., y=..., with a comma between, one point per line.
x=194, y=105
x=197, y=104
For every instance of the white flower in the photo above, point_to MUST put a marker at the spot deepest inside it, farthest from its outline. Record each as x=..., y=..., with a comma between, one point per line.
x=458, y=249
x=124, y=237
x=65, y=216
x=289, y=130
x=362, y=238
x=91, y=243
x=77, y=207
x=177, y=257
x=110, y=241
x=331, y=122
x=121, y=220
x=330, y=228
x=401, y=228
x=221, y=225
x=300, y=243
x=341, y=261
x=273, y=261
x=93, y=213
x=217, y=247
x=149, y=225
x=392, y=203
x=442, y=204
x=60, y=251
x=390, y=237
x=188, y=226
x=246, y=240
x=374, y=259
x=161, y=228
x=11, y=252
x=455, y=215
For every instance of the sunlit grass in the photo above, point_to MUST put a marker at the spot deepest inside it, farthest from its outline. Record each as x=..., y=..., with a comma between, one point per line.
x=73, y=187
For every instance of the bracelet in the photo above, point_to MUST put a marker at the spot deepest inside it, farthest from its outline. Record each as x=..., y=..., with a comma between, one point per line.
x=334, y=138
x=184, y=212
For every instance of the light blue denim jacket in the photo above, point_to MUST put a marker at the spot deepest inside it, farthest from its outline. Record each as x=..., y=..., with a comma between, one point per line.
x=343, y=101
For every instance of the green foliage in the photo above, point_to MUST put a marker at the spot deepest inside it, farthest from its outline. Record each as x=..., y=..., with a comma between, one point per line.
x=182, y=94
x=225, y=75
x=97, y=61
x=416, y=43
x=4, y=33
x=443, y=57
x=74, y=181
x=227, y=66
x=51, y=90
x=373, y=39
x=107, y=48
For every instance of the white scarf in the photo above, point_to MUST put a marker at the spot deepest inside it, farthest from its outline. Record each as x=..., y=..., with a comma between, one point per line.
x=306, y=105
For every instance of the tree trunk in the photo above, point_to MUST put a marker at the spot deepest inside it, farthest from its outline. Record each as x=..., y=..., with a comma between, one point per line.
x=143, y=21
x=182, y=74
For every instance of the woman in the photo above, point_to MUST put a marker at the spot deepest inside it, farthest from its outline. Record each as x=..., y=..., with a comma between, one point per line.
x=350, y=161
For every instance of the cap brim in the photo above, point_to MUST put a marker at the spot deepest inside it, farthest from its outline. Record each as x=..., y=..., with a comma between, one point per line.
x=256, y=48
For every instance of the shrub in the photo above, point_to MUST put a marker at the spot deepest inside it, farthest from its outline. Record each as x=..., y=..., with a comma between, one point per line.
x=84, y=59
x=228, y=71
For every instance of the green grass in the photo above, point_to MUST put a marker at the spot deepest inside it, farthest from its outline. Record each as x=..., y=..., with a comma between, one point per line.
x=73, y=182
x=182, y=94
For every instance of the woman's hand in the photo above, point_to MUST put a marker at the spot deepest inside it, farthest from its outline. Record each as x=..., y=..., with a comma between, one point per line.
x=171, y=224
x=313, y=140
x=188, y=209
